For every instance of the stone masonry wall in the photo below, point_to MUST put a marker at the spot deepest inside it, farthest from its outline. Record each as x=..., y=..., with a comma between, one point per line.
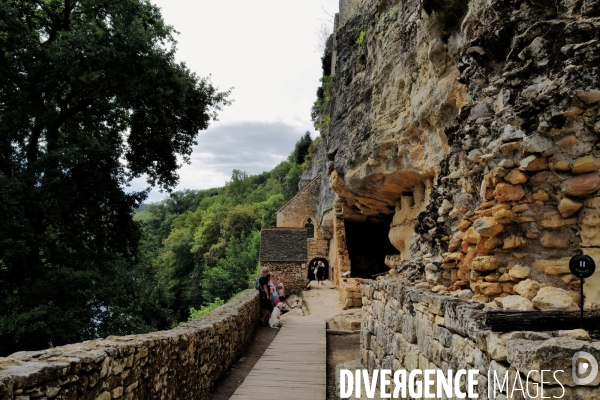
x=351, y=292
x=181, y=363
x=300, y=208
x=317, y=248
x=294, y=274
x=408, y=328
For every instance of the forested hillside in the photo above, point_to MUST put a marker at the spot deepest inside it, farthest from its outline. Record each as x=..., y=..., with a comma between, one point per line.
x=196, y=247
x=203, y=245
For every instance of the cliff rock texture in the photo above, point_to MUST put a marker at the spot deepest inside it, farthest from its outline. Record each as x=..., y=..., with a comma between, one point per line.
x=476, y=125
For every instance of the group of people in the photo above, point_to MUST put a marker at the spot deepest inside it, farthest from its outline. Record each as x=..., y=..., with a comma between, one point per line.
x=317, y=269
x=272, y=290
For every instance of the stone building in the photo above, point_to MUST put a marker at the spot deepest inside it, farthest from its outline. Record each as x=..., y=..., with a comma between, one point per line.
x=301, y=212
x=283, y=251
x=327, y=237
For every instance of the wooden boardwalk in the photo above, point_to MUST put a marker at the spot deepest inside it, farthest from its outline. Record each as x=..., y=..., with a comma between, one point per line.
x=293, y=366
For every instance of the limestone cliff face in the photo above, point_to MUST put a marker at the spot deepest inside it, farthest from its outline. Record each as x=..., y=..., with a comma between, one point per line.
x=394, y=94
x=476, y=124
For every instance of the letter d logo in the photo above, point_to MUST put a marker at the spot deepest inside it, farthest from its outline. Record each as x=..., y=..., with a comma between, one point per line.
x=581, y=368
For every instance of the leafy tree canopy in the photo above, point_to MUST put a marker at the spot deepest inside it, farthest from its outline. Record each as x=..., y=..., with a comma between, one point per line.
x=90, y=97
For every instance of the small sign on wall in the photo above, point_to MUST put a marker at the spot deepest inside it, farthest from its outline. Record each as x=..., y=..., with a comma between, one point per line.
x=303, y=265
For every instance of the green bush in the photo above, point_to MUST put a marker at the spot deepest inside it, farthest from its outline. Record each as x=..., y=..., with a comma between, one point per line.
x=361, y=36
x=317, y=113
x=195, y=314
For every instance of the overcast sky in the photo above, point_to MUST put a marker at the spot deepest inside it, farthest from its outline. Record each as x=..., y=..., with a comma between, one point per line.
x=266, y=50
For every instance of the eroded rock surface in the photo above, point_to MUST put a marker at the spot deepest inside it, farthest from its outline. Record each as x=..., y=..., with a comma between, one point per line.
x=475, y=124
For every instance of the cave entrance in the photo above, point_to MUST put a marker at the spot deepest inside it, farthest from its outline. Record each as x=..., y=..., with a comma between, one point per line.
x=368, y=244
x=313, y=263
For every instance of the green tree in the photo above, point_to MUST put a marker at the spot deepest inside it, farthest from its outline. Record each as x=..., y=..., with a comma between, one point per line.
x=269, y=207
x=239, y=185
x=90, y=97
x=292, y=180
x=301, y=149
x=233, y=272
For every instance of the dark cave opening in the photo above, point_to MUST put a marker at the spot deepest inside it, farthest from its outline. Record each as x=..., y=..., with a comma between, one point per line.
x=368, y=244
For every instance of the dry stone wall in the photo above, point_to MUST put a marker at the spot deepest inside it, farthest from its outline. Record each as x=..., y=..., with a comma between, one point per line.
x=518, y=193
x=182, y=363
x=295, y=274
x=408, y=328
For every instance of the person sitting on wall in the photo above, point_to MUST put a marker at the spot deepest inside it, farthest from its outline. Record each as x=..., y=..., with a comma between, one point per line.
x=266, y=304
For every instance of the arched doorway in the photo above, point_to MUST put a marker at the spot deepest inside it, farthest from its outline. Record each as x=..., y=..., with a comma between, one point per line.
x=311, y=276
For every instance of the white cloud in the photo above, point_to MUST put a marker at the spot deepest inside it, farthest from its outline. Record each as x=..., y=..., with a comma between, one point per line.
x=266, y=50
x=250, y=146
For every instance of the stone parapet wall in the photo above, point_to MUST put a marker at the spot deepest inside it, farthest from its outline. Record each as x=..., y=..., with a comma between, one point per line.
x=351, y=292
x=181, y=363
x=408, y=328
x=294, y=274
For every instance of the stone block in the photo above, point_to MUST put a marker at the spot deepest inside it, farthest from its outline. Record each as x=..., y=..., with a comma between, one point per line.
x=519, y=272
x=490, y=289
x=536, y=144
x=582, y=185
x=568, y=207
x=516, y=177
x=504, y=216
x=590, y=227
x=585, y=164
x=551, y=298
x=533, y=163
x=464, y=318
x=470, y=236
x=437, y=304
x=553, y=354
x=505, y=192
x=104, y=396
x=528, y=288
x=578, y=334
x=487, y=226
x=553, y=267
x=485, y=263
x=540, y=195
x=515, y=303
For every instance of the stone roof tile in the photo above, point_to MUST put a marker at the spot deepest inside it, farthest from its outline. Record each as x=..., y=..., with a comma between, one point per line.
x=283, y=244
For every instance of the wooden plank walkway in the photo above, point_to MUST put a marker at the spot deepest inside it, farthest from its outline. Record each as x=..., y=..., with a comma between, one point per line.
x=294, y=365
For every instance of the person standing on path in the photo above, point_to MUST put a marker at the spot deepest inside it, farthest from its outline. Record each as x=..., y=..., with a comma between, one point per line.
x=320, y=272
x=266, y=304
